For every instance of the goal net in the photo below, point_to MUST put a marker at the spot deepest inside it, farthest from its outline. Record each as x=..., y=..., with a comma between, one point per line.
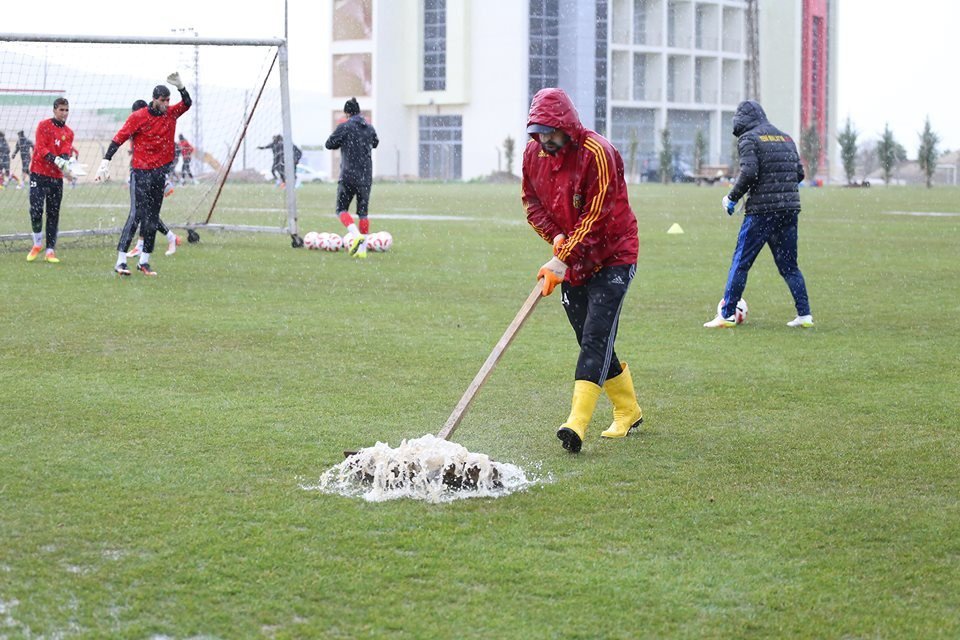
x=238, y=89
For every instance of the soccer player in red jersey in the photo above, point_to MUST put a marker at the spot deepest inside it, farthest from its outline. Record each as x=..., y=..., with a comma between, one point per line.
x=155, y=128
x=54, y=143
x=186, y=152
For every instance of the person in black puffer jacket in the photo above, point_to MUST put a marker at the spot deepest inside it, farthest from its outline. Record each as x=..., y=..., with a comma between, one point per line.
x=770, y=171
x=356, y=138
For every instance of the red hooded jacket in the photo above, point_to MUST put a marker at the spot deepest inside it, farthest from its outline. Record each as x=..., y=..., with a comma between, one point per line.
x=579, y=192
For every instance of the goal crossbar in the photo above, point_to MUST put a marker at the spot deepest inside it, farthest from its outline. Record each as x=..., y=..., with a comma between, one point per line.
x=81, y=39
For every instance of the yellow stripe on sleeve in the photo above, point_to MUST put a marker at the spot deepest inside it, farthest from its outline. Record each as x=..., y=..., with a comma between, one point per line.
x=596, y=206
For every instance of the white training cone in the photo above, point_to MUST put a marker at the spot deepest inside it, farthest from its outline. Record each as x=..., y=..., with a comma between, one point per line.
x=675, y=228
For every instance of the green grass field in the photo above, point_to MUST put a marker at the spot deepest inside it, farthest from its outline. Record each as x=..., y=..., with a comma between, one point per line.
x=154, y=433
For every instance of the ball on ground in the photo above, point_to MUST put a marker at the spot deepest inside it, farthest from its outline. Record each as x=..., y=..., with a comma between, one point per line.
x=380, y=241
x=334, y=243
x=740, y=315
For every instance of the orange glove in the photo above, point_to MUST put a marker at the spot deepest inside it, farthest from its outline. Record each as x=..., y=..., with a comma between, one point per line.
x=552, y=273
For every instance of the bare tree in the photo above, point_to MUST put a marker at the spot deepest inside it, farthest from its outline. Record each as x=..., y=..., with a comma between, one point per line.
x=890, y=153
x=810, y=149
x=509, y=149
x=848, y=150
x=927, y=153
x=632, y=148
x=699, y=150
x=666, y=157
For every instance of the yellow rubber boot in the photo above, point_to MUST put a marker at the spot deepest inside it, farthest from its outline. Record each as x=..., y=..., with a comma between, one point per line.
x=571, y=432
x=626, y=412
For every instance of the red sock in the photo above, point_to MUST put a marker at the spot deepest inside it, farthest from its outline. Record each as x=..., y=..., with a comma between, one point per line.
x=345, y=218
x=364, y=226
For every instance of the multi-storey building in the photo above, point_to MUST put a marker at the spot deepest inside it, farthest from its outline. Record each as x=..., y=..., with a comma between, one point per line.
x=446, y=82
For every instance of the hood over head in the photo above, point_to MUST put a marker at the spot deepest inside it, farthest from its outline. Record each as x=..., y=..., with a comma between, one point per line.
x=749, y=114
x=550, y=109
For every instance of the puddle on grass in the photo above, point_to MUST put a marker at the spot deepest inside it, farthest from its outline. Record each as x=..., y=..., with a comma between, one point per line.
x=426, y=468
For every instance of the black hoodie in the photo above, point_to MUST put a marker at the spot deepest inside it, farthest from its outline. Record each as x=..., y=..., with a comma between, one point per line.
x=355, y=138
x=770, y=166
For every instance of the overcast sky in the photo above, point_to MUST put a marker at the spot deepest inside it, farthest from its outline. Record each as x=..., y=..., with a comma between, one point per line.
x=898, y=64
x=897, y=61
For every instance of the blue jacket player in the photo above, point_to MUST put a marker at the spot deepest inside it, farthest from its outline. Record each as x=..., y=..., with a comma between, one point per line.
x=770, y=171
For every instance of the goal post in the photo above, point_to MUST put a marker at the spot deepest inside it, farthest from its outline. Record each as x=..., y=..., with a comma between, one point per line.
x=242, y=106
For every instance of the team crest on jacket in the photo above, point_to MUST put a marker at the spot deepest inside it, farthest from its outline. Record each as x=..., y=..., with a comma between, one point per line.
x=577, y=200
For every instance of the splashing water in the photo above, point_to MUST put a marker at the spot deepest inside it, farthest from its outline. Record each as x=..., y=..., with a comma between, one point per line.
x=426, y=468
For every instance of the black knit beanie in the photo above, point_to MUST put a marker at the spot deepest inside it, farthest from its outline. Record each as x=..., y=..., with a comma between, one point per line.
x=351, y=107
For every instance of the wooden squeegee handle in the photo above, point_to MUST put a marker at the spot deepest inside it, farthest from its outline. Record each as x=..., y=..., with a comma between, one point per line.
x=454, y=420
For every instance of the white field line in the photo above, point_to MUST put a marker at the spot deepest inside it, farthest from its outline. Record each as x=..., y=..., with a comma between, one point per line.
x=930, y=214
x=380, y=216
x=429, y=217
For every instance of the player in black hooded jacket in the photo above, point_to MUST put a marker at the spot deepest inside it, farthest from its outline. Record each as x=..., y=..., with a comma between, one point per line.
x=356, y=138
x=770, y=171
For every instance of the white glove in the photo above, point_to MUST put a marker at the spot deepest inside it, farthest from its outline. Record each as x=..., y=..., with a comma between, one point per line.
x=76, y=169
x=729, y=205
x=103, y=173
x=557, y=241
x=174, y=79
x=64, y=166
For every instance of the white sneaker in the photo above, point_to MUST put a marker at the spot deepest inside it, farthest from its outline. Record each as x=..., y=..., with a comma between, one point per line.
x=801, y=321
x=721, y=323
x=172, y=246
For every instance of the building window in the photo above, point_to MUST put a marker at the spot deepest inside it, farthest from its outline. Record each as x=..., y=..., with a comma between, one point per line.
x=816, y=71
x=352, y=75
x=633, y=134
x=639, y=76
x=441, y=147
x=698, y=93
x=353, y=19
x=640, y=21
x=672, y=25
x=600, y=69
x=727, y=147
x=683, y=127
x=699, y=29
x=544, y=45
x=671, y=79
x=434, y=45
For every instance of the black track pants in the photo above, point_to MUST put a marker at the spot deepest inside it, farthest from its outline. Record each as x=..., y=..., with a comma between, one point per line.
x=48, y=191
x=133, y=220
x=593, y=310
x=146, y=188
x=346, y=191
